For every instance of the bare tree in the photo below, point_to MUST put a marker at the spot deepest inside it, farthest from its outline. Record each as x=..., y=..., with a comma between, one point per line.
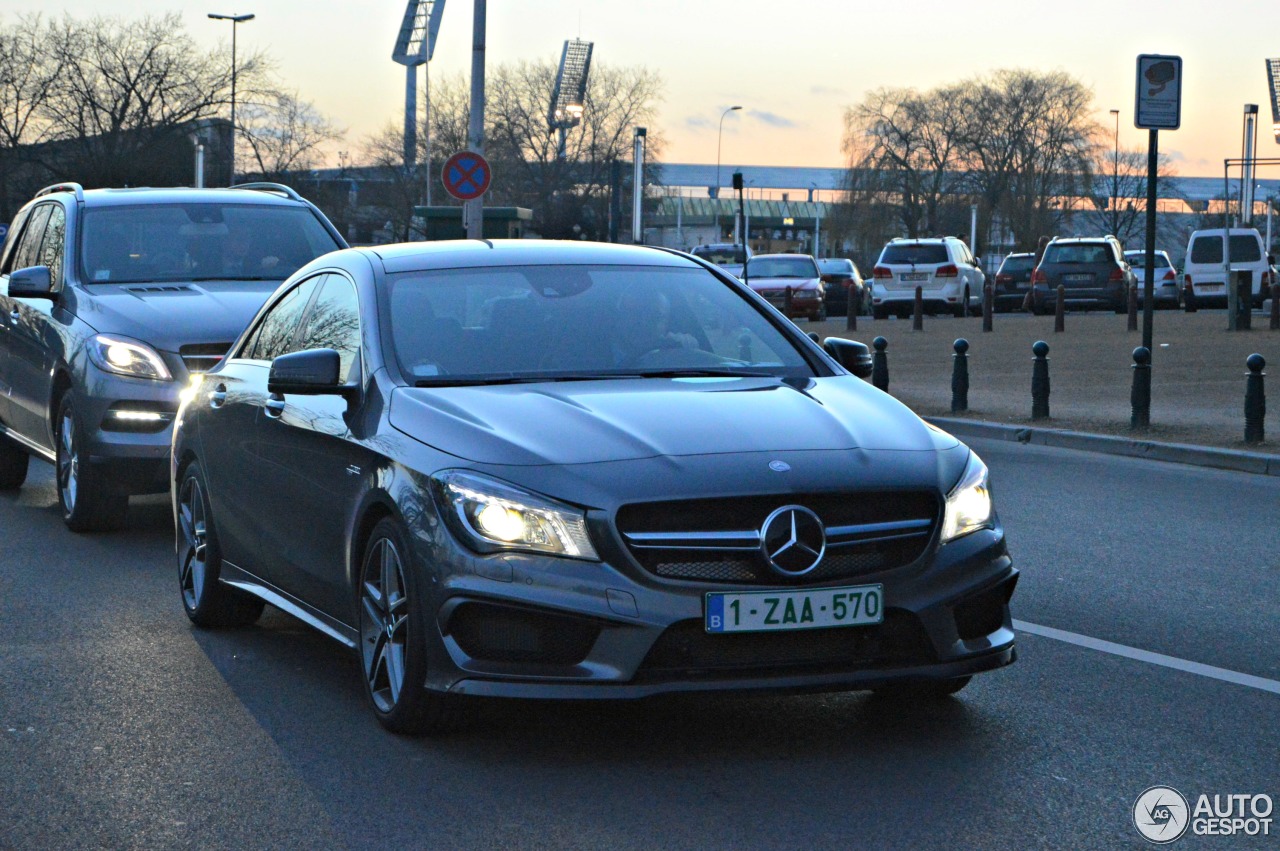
x=1122, y=211
x=26, y=77
x=281, y=134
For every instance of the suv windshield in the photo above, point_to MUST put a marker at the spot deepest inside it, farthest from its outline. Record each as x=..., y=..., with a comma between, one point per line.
x=914, y=254
x=1207, y=248
x=1078, y=252
x=782, y=267
x=462, y=326
x=199, y=242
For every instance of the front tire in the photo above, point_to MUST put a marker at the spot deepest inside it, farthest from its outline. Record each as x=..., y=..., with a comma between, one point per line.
x=393, y=647
x=89, y=503
x=13, y=465
x=207, y=602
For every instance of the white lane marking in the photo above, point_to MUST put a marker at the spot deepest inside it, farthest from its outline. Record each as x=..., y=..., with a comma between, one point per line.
x=1248, y=680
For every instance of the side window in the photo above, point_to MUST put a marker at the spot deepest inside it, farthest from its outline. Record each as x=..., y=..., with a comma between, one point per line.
x=54, y=245
x=274, y=335
x=11, y=241
x=28, y=253
x=334, y=323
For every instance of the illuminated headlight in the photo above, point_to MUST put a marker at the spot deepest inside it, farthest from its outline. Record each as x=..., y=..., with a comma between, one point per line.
x=490, y=516
x=127, y=357
x=969, y=503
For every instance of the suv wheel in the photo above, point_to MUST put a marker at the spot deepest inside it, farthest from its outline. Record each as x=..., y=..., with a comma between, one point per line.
x=207, y=601
x=89, y=503
x=962, y=309
x=13, y=465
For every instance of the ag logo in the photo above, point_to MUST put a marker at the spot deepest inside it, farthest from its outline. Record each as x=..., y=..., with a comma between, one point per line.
x=1161, y=814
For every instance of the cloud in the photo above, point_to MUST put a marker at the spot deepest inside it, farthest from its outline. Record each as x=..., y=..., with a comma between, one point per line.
x=771, y=119
x=1176, y=156
x=699, y=122
x=825, y=91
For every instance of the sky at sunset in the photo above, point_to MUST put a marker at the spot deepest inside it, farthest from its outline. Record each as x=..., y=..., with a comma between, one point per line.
x=793, y=66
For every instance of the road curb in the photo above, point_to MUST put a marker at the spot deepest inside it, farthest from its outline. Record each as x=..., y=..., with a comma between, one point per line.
x=1175, y=453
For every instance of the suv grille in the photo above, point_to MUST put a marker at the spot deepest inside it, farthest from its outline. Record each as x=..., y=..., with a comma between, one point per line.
x=202, y=357
x=718, y=540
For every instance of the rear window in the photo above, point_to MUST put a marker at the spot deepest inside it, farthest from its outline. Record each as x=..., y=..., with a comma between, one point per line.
x=836, y=267
x=1079, y=252
x=799, y=266
x=1208, y=248
x=1018, y=264
x=1139, y=258
x=914, y=253
x=721, y=256
x=146, y=243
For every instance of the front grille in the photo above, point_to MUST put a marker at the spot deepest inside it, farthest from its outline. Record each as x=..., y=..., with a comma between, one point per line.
x=685, y=648
x=202, y=357
x=717, y=540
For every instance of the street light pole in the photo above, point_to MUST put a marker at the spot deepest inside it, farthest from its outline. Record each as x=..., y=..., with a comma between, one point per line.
x=1115, y=178
x=234, y=19
x=719, y=138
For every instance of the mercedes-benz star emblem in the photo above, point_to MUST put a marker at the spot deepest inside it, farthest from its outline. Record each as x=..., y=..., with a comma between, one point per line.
x=793, y=540
x=779, y=466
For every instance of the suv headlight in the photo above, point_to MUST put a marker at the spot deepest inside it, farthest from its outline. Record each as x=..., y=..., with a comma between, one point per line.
x=969, y=503
x=127, y=357
x=490, y=516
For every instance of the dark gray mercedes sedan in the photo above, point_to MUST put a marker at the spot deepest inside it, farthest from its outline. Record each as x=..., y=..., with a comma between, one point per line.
x=571, y=470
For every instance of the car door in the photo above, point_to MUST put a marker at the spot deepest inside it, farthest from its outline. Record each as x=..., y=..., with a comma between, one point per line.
x=312, y=467
x=38, y=328
x=13, y=313
x=231, y=399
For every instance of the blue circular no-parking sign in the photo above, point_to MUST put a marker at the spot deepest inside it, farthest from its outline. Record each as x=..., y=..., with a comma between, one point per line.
x=466, y=175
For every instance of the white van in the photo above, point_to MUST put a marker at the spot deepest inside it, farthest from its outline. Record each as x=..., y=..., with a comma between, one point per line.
x=1205, y=271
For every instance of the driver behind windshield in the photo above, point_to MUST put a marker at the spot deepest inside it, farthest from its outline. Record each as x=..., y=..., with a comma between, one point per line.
x=643, y=325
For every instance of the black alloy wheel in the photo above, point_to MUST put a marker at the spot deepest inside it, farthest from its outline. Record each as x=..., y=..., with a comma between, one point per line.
x=393, y=651
x=89, y=502
x=207, y=602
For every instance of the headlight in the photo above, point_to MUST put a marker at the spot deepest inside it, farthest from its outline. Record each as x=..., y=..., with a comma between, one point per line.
x=969, y=503
x=127, y=357
x=490, y=516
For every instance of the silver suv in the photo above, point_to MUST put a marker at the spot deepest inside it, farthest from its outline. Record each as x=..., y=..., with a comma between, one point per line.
x=110, y=301
x=945, y=270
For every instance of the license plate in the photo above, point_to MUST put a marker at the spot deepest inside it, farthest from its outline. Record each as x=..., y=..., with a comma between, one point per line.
x=914, y=276
x=1213, y=288
x=1077, y=277
x=769, y=611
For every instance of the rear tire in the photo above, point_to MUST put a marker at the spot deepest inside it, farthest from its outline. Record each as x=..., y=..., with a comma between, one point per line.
x=207, y=602
x=89, y=502
x=13, y=465
x=921, y=690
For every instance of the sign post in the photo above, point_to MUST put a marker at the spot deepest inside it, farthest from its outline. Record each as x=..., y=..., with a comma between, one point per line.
x=1158, y=106
x=466, y=176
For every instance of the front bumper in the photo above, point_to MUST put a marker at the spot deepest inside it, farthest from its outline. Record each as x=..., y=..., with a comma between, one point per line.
x=526, y=626
x=128, y=427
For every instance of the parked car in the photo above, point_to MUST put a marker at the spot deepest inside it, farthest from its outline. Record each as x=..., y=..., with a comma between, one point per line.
x=1091, y=270
x=771, y=275
x=729, y=256
x=110, y=300
x=1166, y=292
x=530, y=469
x=1205, y=267
x=1013, y=280
x=948, y=274
x=843, y=286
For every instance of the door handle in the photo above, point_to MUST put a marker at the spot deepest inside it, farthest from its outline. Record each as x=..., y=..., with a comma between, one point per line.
x=274, y=406
x=218, y=396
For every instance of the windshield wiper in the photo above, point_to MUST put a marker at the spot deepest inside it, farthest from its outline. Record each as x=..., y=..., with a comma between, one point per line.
x=703, y=373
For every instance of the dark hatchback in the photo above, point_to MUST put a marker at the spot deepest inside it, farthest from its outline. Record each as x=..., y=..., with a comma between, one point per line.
x=571, y=470
x=1013, y=280
x=843, y=285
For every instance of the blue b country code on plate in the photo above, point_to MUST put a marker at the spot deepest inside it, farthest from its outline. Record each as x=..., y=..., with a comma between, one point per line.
x=814, y=608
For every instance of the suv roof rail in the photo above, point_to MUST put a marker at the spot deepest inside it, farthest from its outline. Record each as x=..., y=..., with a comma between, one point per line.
x=68, y=186
x=287, y=191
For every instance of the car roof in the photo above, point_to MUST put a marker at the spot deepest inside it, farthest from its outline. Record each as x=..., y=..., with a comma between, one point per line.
x=474, y=253
x=182, y=195
x=771, y=256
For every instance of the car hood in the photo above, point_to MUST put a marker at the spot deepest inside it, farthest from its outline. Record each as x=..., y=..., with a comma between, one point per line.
x=629, y=419
x=172, y=315
x=759, y=284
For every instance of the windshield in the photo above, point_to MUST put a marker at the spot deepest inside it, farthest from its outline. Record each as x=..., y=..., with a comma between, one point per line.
x=836, y=267
x=798, y=266
x=721, y=255
x=199, y=242
x=1207, y=248
x=462, y=326
x=914, y=254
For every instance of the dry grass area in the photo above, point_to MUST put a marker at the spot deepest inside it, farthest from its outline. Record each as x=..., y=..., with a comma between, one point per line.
x=1197, y=380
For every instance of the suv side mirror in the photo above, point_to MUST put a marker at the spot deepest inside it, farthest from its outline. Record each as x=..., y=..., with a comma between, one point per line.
x=851, y=355
x=32, y=282
x=311, y=373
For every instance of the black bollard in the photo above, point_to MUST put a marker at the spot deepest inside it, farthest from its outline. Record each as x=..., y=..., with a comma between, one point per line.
x=988, y=305
x=1140, y=395
x=880, y=364
x=1255, y=400
x=1133, y=309
x=1060, y=311
x=917, y=315
x=1040, y=381
x=850, y=312
x=1244, y=300
x=786, y=302
x=960, y=376
x=1275, y=307
x=1189, y=299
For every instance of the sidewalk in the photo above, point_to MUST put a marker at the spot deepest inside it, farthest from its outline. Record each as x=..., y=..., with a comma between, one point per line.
x=1197, y=380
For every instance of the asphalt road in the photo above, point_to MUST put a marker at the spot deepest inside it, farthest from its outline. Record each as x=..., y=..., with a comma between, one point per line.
x=121, y=726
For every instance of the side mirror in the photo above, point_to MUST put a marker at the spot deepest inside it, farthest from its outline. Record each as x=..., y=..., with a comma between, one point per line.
x=31, y=282
x=851, y=355
x=311, y=373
